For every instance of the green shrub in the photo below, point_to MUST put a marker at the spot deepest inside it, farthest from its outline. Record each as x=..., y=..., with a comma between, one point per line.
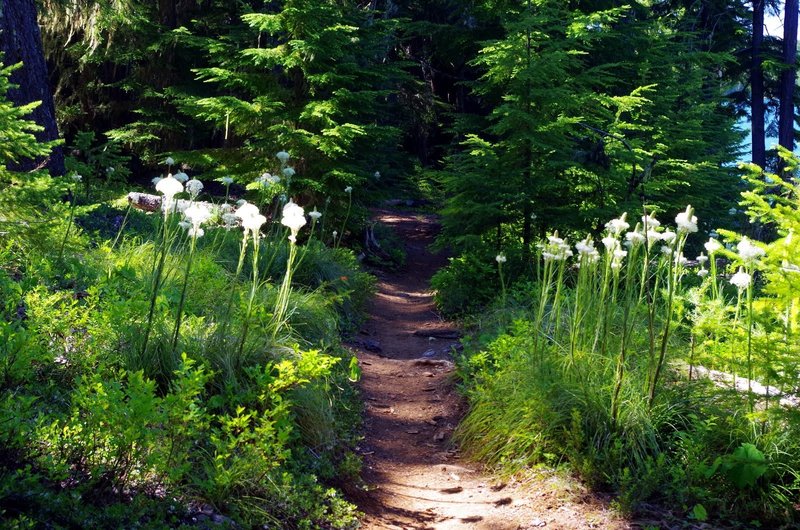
x=466, y=284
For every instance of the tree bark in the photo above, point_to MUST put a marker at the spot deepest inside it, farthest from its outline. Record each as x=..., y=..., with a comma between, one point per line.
x=788, y=76
x=759, y=155
x=21, y=41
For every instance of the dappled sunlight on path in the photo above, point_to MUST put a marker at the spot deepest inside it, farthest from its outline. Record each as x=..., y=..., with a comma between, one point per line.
x=416, y=478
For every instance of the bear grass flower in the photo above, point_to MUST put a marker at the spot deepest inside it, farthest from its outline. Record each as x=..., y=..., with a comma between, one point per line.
x=653, y=236
x=741, y=279
x=288, y=172
x=169, y=187
x=197, y=214
x=749, y=252
x=229, y=220
x=227, y=181
x=194, y=187
x=76, y=177
x=180, y=176
x=702, y=258
x=650, y=222
x=585, y=247
x=618, y=226
x=634, y=238
x=156, y=180
x=169, y=161
x=348, y=189
x=294, y=219
x=556, y=249
x=315, y=215
x=267, y=179
x=712, y=246
x=253, y=223
x=702, y=273
x=500, y=258
x=283, y=156
x=610, y=243
x=668, y=236
x=686, y=222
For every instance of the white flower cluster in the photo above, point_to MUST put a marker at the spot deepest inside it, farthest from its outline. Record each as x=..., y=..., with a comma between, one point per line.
x=168, y=187
x=194, y=187
x=556, y=249
x=500, y=258
x=267, y=179
x=749, y=252
x=294, y=218
x=686, y=221
x=616, y=227
x=712, y=246
x=196, y=215
x=251, y=218
x=741, y=279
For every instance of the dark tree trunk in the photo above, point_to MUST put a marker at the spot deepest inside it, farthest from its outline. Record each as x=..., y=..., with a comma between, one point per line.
x=757, y=87
x=20, y=41
x=788, y=76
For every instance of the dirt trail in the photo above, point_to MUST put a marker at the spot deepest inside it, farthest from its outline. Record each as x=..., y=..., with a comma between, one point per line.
x=416, y=478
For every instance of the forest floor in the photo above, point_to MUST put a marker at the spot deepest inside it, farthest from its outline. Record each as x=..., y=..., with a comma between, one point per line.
x=415, y=477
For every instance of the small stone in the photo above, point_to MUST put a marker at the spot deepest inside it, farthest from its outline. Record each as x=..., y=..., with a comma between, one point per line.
x=428, y=374
x=503, y=502
x=372, y=345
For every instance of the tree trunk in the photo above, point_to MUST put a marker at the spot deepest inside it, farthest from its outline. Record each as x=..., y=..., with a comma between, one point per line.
x=21, y=41
x=788, y=76
x=759, y=156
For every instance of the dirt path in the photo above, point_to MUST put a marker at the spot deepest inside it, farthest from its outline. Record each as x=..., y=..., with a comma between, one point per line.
x=415, y=475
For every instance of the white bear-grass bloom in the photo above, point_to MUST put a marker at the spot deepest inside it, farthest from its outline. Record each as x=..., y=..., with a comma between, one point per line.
x=686, y=222
x=619, y=225
x=500, y=258
x=194, y=187
x=283, y=156
x=180, y=176
x=650, y=221
x=634, y=238
x=668, y=236
x=748, y=251
x=348, y=189
x=712, y=246
x=168, y=187
x=197, y=214
x=294, y=219
x=288, y=172
x=741, y=279
x=315, y=215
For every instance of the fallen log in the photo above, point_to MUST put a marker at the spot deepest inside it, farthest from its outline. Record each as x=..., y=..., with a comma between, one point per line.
x=152, y=203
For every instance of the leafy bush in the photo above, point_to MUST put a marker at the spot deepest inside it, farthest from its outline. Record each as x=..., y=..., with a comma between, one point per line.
x=466, y=284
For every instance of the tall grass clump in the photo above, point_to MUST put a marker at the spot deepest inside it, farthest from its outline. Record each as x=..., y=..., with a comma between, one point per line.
x=606, y=361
